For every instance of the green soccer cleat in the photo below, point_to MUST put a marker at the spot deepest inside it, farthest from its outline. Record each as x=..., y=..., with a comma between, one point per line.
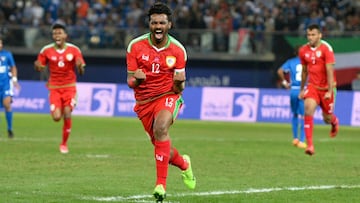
x=159, y=193
x=187, y=175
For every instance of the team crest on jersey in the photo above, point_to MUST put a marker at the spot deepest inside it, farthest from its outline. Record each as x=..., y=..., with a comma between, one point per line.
x=69, y=57
x=170, y=61
x=318, y=54
x=145, y=57
x=3, y=58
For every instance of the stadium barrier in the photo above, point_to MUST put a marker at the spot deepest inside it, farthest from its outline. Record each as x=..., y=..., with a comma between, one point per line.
x=201, y=103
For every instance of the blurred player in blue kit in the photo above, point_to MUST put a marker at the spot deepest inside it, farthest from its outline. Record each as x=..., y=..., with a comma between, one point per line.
x=293, y=67
x=8, y=80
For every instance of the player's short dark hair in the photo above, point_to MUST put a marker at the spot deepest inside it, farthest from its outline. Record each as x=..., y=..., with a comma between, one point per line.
x=160, y=8
x=58, y=25
x=314, y=27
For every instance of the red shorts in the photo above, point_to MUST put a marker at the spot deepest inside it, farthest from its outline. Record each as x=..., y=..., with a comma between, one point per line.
x=148, y=111
x=327, y=105
x=61, y=97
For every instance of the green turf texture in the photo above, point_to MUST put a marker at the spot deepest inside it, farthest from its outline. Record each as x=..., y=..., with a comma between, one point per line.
x=111, y=160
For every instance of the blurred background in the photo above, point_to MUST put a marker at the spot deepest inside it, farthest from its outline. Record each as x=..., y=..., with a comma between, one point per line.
x=237, y=43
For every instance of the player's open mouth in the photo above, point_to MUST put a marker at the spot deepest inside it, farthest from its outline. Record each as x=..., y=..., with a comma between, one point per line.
x=159, y=34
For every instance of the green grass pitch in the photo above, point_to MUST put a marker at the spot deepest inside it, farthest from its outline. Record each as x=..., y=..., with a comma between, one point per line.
x=111, y=160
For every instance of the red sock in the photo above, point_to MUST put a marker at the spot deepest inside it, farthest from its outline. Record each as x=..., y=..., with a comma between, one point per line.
x=162, y=156
x=66, y=130
x=308, y=128
x=177, y=160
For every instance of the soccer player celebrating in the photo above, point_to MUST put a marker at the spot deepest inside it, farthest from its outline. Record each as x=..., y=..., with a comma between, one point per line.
x=317, y=58
x=156, y=71
x=8, y=79
x=293, y=67
x=62, y=58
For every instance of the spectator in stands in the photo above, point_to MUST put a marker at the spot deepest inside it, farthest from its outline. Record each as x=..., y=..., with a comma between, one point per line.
x=209, y=17
x=315, y=17
x=197, y=22
x=67, y=9
x=222, y=25
x=333, y=27
x=7, y=9
x=232, y=15
x=82, y=8
x=37, y=13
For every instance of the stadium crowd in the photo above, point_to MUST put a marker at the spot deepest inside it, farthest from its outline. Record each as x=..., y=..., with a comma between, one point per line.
x=112, y=23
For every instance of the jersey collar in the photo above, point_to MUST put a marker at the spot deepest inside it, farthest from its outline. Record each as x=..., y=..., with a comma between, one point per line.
x=162, y=48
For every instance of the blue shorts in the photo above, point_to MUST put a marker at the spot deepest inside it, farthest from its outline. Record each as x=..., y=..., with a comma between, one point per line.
x=6, y=90
x=296, y=104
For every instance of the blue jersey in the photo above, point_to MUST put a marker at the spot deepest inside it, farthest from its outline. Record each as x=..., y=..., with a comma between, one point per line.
x=6, y=63
x=294, y=68
x=6, y=84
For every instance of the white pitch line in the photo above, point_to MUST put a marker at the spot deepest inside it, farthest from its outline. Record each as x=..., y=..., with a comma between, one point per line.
x=140, y=198
x=97, y=155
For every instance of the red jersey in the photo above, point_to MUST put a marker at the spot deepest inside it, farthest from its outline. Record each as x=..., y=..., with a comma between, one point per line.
x=159, y=65
x=315, y=59
x=61, y=63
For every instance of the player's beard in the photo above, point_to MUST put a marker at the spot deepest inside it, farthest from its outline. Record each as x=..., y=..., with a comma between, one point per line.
x=159, y=37
x=314, y=42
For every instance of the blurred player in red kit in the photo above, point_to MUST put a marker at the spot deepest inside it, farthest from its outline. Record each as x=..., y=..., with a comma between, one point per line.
x=317, y=58
x=156, y=71
x=62, y=59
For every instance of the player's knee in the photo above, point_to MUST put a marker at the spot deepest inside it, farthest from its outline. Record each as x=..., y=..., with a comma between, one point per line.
x=67, y=115
x=56, y=118
x=160, y=132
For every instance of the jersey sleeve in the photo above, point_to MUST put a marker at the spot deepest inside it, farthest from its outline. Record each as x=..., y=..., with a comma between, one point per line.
x=329, y=56
x=42, y=57
x=11, y=60
x=286, y=66
x=181, y=60
x=79, y=56
x=131, y=59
